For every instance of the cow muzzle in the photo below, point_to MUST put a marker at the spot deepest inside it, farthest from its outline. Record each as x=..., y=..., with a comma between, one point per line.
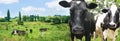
x=112, y=25
x=78, y=30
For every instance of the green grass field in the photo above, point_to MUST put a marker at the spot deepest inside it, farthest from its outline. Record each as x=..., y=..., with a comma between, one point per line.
x=57, y=32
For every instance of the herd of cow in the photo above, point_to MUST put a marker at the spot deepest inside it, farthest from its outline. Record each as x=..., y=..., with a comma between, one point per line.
x=84, y=23
x=22, y=32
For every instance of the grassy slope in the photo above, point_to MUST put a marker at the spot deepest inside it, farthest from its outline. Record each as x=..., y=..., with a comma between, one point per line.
x=55, y=33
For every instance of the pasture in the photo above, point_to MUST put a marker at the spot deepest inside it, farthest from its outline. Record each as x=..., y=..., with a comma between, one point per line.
x=55, y=32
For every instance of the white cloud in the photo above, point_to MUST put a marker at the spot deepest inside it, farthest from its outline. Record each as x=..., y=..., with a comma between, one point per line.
x=52, y=4
x=56, y=9
x=9, y=1
x=31, y=9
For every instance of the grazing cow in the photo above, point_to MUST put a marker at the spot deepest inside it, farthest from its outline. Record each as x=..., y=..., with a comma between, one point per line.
x=31, y=30
x=43, y=29
x=107, y=23
x=81, y=21
x=18, y=32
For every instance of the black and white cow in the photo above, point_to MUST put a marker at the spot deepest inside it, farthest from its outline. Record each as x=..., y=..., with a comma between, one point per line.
x=107, y=23
x=81, y=20
x=18, y=32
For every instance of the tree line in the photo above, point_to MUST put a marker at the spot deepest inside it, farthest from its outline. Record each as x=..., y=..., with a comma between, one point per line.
x=56, y=19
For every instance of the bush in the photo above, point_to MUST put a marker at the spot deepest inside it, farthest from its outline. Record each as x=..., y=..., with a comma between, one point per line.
x=2, y=20
x=56, y=20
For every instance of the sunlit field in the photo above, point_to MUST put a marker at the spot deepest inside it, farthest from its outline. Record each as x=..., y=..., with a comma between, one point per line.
x=55, y=32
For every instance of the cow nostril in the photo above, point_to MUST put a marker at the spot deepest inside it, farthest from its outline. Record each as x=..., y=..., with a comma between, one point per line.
x=113, y=25
x=79, y=29
x=74, y=30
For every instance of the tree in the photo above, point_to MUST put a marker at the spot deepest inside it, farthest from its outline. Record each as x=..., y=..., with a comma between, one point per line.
x=65, y=19
x=37, y=18
x=57, y=20
x=25, y=18
x=42, y=19
x=32, y=18
x=19, y=16
x=20, y=22
x=48, y=19
x=8, y=16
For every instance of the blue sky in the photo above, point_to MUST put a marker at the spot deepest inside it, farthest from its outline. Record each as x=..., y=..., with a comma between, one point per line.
x=32, y=7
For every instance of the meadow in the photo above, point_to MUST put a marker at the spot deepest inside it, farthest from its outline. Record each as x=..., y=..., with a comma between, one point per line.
x=55, y=32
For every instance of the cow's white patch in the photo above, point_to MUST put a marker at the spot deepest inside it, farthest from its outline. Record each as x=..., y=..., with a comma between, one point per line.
x=113, y=10
x=15, y=32
x=105, y=34
x=100, y=19
x=78, y=2
x=96, y=17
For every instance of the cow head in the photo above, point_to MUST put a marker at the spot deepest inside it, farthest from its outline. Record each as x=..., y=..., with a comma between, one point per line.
x=78, y=11
x=112, y=17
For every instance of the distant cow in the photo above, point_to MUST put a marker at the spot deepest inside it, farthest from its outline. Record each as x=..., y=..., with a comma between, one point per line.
x=31, y=30
x=18, y=32
x=107, y=23
x=81, y=20
x=43, y=29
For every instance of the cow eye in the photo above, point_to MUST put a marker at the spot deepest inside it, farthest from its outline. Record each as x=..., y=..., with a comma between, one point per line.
x=109, y=14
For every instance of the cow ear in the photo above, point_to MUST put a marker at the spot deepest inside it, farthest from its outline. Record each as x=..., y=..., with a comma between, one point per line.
x=105, y=10
x=64, y=4
x=92, y=6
